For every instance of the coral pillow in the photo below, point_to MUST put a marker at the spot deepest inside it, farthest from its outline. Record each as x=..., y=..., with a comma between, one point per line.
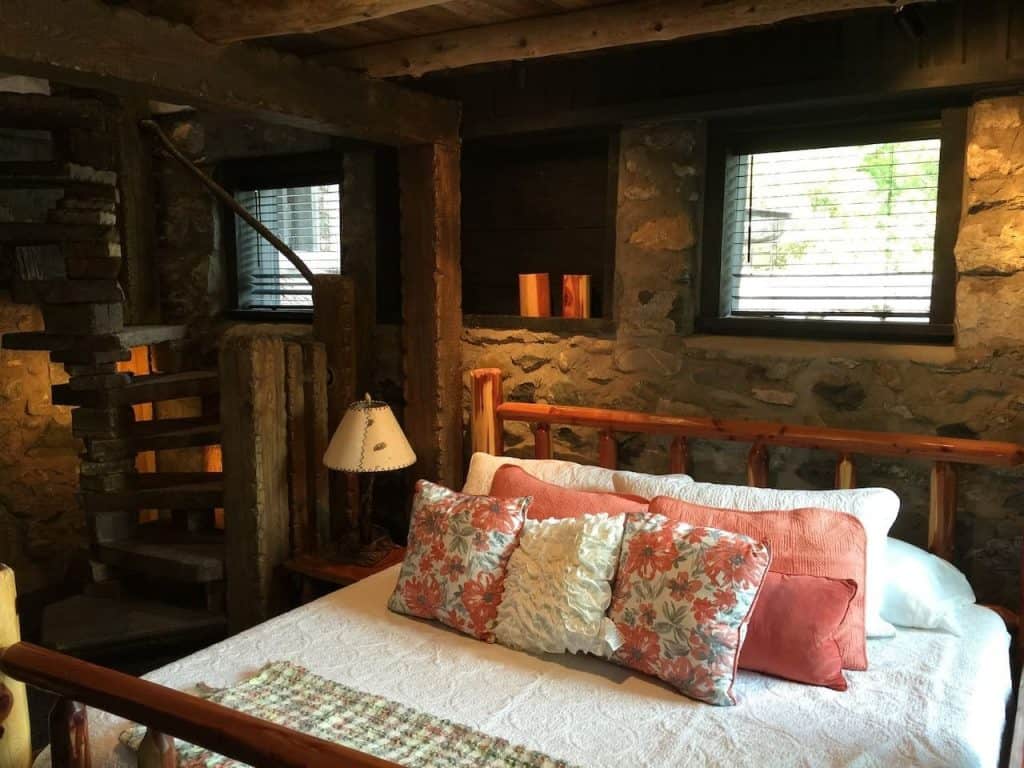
x=792, y=632
x=454, y=568
x=551, y=500
x=681, y=599
x=809, y=542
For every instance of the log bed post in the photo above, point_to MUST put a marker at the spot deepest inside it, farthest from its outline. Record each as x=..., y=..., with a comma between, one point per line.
x=846, y=473
x=679, y=456
x=157, y=750
x=757, y=466
x=607, y=450
x=541, y=441
x=942, y=510
x=15, y=740
x=485, y=428
x=69, y=735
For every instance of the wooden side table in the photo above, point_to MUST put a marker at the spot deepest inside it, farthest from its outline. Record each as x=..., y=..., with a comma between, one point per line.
x=317, y=574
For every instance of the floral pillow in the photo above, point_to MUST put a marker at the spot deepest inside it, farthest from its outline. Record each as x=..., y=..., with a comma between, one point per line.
x=682, y=597
x=454, y=568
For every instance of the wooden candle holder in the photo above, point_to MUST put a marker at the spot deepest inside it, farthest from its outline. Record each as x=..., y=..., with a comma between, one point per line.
x=535, y=295
x=576, y=296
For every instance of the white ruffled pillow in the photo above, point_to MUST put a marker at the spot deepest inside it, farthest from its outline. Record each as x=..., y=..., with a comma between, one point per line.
x=567, y=474
x=923, y=591
x=558, y=586
x=876, y=508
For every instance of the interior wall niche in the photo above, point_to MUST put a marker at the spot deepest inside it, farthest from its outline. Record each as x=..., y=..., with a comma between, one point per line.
x=536, y=205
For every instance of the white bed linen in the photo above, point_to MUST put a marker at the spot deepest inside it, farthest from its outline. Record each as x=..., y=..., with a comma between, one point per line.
x=929, y=699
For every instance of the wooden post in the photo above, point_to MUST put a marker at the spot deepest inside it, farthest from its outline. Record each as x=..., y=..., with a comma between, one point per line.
x=299, y=459
x=315, y=395
x=679, y=456
x=485, y=428
x=69, y=735
x=575, y=295
x=942, y=511
x=334, y=324
x=757, y=466
x=541, y=441
x=359, y=244
x=15, y=740
x=607, y=450
x=157, y=750
x=846, y=473
x=432, y=311
x=254, y=440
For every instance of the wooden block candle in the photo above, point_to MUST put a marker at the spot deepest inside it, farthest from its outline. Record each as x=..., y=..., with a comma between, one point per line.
x=576, y=296
x=535, y=295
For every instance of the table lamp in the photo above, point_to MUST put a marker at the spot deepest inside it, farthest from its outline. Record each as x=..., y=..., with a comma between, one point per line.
x=368, y=441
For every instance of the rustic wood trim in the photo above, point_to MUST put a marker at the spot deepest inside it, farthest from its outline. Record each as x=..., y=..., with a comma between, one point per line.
x=541, y=441
x=851, y=441
x=198, y=721
x=231, y=21
x=16, y=741
x=315, y=361
x=299, y=459
x=679, y=456
x=57, y=39
x=757, y=466
x=484, y=426
x=432, y=312
x=359, y=252
x=952, y=158
x=942, y=510
x=254, y=443
x=607, y=449
x=648, y=21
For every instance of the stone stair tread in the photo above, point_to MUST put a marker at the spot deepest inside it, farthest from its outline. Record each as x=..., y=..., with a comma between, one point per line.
x=168, y=553
x=143, y=389
x=132, y=336
x=85, y=624
x=162, y=490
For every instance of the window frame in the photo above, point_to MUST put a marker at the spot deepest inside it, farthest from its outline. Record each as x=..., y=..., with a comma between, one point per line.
x=272, y=172
x=731, y=138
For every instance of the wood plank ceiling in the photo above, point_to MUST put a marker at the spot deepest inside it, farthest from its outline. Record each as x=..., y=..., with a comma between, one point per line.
x=390, y=38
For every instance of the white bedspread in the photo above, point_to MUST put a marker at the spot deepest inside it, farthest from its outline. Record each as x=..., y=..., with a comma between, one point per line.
x=929, y=699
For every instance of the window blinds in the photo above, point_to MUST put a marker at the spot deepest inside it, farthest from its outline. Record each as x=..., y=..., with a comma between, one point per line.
x=308, y=220
x=837, y=233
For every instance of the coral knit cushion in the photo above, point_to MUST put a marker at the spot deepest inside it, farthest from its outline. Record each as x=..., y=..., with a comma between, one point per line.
x=808, y=542
x=792, y=631
x=554, y=501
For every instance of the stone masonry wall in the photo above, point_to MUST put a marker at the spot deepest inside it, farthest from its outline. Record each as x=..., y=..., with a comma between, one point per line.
x=654, y=362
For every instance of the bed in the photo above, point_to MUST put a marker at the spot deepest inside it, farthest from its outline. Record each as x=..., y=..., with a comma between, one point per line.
x=928, y=699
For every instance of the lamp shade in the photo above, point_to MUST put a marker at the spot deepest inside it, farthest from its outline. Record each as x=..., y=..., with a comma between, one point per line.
x=369, y=440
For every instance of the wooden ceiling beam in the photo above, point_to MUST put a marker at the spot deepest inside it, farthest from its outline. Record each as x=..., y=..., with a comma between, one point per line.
x=611, y=26
x=90, y=44
x=230, y=21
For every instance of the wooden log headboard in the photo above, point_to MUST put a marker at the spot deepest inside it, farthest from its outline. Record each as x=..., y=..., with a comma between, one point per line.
x=489, y=413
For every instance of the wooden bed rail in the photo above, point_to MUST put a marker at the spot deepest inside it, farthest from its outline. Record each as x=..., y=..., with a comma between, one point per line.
x=165, y=711
x=489, y=413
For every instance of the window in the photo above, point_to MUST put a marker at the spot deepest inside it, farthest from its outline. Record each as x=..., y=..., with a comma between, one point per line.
x=833, y=233
x=301, y=205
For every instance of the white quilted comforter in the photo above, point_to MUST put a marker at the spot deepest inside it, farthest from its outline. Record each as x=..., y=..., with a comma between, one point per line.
x=929, y=699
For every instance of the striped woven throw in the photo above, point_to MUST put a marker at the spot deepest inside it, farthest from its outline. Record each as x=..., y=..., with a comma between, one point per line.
x=290, y=695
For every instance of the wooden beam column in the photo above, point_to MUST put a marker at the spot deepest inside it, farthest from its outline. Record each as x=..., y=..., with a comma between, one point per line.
x=255, y=445
x=432, y=308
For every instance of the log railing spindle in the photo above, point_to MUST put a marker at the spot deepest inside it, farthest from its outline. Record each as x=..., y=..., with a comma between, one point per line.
x=607, y=450
x=69, y=735
x=846, y=473
x=942, y=510
x=679, y=456
x=541, y=441
x=484, y=425
x=757, y=466
x=157, y=750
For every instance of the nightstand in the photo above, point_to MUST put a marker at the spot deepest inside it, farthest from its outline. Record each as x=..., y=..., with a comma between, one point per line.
x=317, y=575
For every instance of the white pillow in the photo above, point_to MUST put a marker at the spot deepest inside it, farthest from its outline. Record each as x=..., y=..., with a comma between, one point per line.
x=922, y=590
x=558, y=586
x=567, y=474
x=649, y=486
x=876, y=508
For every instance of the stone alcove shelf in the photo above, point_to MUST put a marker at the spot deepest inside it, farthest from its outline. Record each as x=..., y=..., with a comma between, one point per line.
x=591, y=326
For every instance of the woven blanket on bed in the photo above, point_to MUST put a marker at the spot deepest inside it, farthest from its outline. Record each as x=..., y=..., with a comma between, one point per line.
x=289, y=695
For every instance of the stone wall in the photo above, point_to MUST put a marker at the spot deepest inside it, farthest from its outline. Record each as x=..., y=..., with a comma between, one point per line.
x=654, y=362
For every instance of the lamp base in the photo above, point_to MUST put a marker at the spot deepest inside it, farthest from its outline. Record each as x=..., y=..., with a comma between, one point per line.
x=370, y=553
